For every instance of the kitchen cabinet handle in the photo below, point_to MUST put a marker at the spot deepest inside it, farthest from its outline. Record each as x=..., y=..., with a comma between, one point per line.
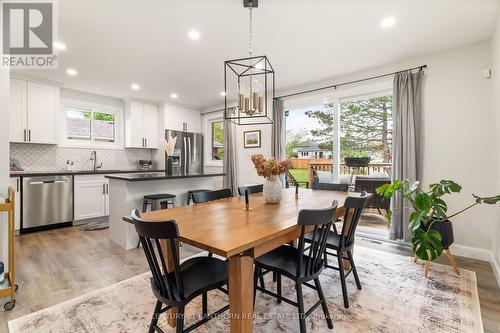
x=103, y=188
x=36, y=183
x=25, y=135
x=17, y=184
x=107, y=188
x=29, y=135
x=145, y=142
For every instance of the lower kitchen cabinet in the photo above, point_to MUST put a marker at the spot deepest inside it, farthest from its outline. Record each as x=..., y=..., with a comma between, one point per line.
x=15, y=183
x=91, y=194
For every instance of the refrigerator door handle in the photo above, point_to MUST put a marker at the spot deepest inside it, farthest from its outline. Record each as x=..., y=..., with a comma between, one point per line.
x=190, y=157
x=185, y=155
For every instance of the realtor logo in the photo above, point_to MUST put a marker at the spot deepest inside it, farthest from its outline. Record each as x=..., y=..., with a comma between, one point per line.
x=28, y=35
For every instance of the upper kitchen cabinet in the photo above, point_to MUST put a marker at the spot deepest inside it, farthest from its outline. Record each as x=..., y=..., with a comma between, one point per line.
x=141, y=125
x=180, y=118
x=33, y=112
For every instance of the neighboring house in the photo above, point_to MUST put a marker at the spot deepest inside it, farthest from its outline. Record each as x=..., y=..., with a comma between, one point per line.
x=312, y=150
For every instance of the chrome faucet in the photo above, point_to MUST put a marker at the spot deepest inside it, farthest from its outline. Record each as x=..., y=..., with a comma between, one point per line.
x=93, y=158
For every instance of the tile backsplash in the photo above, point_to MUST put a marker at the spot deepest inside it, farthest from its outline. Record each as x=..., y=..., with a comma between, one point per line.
x=36, y=157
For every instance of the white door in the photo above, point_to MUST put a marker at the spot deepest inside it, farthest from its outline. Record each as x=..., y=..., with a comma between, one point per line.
x=150, y=125
x=15, y=183
x=43, y=103
x=134, y=126
x=17, y=111
x=90, y=199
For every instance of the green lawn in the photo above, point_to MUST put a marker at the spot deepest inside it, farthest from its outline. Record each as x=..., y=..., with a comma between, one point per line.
x=302, y=176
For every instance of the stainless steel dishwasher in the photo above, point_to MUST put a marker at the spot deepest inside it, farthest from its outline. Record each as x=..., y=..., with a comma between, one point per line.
x=47, y=200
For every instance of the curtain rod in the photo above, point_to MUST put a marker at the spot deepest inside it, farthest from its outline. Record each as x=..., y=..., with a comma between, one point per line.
x=334, y=86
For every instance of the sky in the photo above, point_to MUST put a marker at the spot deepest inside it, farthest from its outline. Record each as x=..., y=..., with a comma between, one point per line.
x=297, y=119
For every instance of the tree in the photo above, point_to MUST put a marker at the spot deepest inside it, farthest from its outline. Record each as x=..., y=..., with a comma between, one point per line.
x=295, y=139
x=366, y=127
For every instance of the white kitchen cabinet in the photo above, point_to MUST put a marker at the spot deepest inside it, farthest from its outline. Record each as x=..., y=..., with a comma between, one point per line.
x=141, y=125
x=18, y=110
x=91, y=193
x=15, y=183
x=182, y=119
x=33, y=112
x=43, y=104
x=150, y=125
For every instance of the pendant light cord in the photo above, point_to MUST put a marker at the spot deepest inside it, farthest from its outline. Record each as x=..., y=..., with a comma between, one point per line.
x=250, y=32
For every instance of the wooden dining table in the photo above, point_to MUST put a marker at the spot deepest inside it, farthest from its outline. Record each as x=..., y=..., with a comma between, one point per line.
x=224, y=228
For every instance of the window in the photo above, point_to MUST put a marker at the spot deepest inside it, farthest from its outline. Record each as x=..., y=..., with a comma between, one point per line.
x=78, y=124
x=86, y=125
x=104, y=127
x=217, y=147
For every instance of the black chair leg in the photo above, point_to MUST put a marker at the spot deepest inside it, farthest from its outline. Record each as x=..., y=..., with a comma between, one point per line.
x=156, y=315
x=204, y=305
x=342, y=279
x=279, y=287
x=356, y=277
x=261, y=279
x=300, y=302
x=323, y=303
x=274, y=276
x=326, y=259
x=256, y=276
x=179, y=324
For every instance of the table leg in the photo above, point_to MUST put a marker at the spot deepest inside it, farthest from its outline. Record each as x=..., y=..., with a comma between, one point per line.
x=172, y=313
x=241, y=293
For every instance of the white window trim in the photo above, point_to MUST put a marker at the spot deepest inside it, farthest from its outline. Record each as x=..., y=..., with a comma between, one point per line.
x=119, y=126
x=207, y=127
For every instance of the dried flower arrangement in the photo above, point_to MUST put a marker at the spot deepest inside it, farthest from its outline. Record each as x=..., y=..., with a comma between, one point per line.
x=170, y=144
x=271, y=167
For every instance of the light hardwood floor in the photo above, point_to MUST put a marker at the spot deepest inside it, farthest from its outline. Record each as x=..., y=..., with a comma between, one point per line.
x=58, y=265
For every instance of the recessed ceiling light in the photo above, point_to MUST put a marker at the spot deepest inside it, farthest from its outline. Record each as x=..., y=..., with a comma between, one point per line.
x=59, y=46
x=388, y=22
x=223, y=93
x=135, y=86
x=194, y=35
x=71, y=71
x=173, y=95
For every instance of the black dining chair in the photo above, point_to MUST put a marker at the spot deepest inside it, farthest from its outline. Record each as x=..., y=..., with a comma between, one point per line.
x=201, y=197
x=330, y=187
x=343, y=242
x=192, y=278
x=301, y=264
x=251, y=189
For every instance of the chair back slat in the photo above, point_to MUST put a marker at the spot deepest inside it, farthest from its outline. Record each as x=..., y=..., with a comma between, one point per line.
x=150, y=235
x=310, y=261
x=330, y=187
x=354, y=207
x=251, y=189
x=200, y=197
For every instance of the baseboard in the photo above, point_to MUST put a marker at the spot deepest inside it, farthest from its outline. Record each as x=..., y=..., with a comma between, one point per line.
x=495, y=266
x=471, y=252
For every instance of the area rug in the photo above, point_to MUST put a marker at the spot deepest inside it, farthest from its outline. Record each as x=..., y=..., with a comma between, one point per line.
x=395, y=298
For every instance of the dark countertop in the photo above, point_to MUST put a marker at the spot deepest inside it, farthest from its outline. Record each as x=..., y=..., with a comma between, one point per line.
x=77, y=172
x=141, y=177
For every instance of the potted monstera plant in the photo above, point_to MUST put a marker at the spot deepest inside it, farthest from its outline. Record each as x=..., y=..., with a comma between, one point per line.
x=430, y=224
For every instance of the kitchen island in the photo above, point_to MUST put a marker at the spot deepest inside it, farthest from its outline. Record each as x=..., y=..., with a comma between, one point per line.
x=126, y=192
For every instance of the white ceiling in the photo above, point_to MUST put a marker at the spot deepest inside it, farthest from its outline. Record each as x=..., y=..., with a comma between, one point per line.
x=113, y=43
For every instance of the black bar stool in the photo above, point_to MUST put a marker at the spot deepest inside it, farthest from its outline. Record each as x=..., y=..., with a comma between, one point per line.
x=192, y=192
x=158, y=201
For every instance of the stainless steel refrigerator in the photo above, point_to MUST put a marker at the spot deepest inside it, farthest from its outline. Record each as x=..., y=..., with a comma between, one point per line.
x=188, y=153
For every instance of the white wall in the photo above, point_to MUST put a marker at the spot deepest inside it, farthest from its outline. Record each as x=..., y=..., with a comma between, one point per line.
x=458, y=136
x=4, y=156
x=495, y=58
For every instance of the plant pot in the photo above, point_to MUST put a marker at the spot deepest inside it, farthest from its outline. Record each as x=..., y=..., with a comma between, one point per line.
x=357, y=162
x=445, y=228
x=273, y=190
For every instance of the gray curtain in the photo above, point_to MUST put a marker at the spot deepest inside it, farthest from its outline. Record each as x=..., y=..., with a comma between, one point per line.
x=278, y=139
x=229, y=180
x=406, y=143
